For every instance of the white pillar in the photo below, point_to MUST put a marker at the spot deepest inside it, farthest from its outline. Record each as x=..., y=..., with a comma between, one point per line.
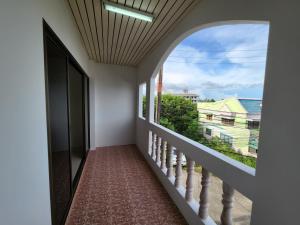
x=150, y=100
x=150, y=142
x=150, y=111
x=154, y=136
x=169, y=160
x=178, y=168
x=163, y=155
x=190, y=180
x=203, y=210
x=158, y=150
x=226, y=216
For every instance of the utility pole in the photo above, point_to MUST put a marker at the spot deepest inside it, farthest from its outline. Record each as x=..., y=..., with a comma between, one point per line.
x=159, y=91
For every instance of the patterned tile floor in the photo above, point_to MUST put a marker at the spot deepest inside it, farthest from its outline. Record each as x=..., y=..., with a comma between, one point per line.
x=117, y=187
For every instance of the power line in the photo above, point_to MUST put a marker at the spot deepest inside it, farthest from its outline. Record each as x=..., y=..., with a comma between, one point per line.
x=232, y=57
x=204, y=63
x=239, y=50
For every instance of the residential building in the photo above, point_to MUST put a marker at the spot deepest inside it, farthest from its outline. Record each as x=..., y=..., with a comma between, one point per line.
x=125, y=180
x=236, y=121
x=190, y=96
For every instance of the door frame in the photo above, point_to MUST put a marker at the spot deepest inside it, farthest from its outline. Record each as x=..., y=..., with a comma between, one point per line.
x=49, y=34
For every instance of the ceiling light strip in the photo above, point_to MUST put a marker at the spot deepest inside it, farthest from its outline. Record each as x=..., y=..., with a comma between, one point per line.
x=127, y=11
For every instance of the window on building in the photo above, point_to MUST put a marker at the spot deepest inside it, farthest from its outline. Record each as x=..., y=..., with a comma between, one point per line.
x=209, y=116
x=208, y=131
x=253, y=143
x=226, y=138
x=228, y=121
x=252, y=150
x=253, y=124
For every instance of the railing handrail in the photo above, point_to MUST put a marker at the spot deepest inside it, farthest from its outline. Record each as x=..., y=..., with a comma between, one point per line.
x=239, y=176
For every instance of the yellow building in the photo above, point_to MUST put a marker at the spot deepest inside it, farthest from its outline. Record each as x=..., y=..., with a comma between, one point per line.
x=235, y=121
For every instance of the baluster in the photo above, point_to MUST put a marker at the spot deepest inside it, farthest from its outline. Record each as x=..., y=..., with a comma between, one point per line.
x=226, y=216
x=158, y=150
x=205, y=181
x=163, y=155
x=178, y=168
x=150, y=143
x=190, y=180
x=169, y=160
x=153, y=146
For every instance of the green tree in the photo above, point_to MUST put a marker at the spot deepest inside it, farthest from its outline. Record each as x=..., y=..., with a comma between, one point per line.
x=166, y=123
x=207, y=100
x=180, y=112
x=217, y=144
x=182, y=116
x=144, y=106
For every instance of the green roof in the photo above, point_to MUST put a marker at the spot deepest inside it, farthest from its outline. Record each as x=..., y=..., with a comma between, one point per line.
x=229, y=105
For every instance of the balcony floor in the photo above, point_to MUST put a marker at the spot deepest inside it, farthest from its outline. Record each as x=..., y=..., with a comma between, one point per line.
x=118, y=187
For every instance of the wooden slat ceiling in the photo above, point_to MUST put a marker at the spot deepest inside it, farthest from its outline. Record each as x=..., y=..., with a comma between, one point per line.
x=116, y=39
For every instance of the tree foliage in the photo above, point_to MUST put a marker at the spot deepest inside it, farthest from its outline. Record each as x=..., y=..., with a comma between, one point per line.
x=178, y=114
x=207, y=100
x=217, y=144
x=181, y=113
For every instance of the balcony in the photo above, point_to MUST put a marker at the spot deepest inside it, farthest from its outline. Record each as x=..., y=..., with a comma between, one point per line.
x=117, y=53
x=118, y=179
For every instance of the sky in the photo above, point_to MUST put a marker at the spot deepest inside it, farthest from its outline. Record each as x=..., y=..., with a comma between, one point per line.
x=219, y=62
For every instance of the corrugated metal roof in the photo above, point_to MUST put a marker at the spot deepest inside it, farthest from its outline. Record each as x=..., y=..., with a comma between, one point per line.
x=251, y=105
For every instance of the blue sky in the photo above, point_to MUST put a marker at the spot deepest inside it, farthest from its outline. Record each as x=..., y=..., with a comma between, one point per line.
x=220, y=62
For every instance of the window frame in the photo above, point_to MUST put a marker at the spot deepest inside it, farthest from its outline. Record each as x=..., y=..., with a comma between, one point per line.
x=209, y=116
x=226, y=138
x=210, y=131
x=227, y=122
x=253, y=124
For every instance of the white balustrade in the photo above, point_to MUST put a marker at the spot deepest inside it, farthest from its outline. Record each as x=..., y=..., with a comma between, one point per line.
x=178, y=173
x=203, y=209
x=158, y=150
x=163, y=155
x=169, y=160
x=241, y=176
x=190, y=180
x=227, y=201
x=153, y=145
x=150, y=143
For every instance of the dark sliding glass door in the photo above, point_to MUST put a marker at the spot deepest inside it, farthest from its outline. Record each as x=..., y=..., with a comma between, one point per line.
x=59, y=137
x=67, y=94
x=76, y=118
x=87, y=113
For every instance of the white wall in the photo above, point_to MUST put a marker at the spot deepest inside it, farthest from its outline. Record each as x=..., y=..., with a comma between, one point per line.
x=278, y=181
x=24, y=189
x=115, y=104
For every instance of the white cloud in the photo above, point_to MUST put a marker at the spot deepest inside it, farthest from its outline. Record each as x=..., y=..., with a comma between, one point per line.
x=201, y=71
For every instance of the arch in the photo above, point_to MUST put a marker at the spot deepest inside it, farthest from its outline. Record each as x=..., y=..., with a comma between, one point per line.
x=190, y=32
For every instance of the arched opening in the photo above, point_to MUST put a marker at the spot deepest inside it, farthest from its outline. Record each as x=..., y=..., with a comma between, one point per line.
x=210, y=89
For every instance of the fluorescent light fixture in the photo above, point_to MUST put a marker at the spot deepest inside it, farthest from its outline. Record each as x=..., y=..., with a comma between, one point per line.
x=117, y=8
